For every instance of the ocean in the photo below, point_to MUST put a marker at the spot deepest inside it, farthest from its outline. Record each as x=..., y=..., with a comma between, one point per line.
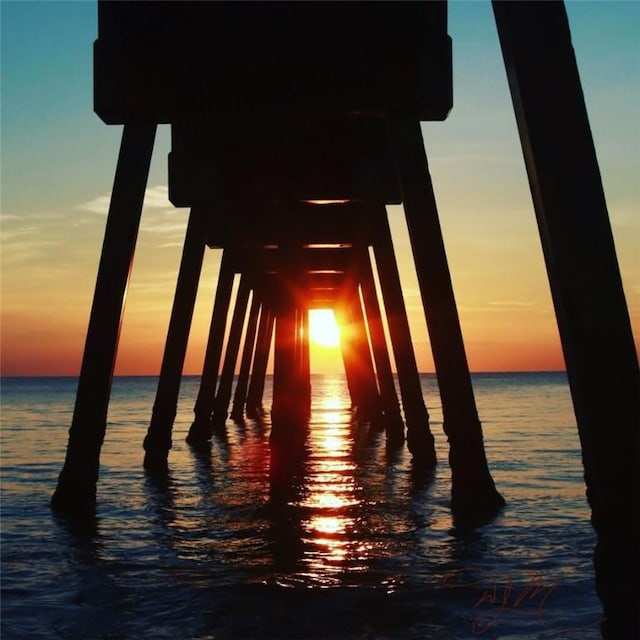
x=357, y=546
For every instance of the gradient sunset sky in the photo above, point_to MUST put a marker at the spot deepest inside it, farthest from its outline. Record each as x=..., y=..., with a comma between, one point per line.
x=58, y=162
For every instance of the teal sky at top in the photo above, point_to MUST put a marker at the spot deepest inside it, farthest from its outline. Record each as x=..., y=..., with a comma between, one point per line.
x=53, y=146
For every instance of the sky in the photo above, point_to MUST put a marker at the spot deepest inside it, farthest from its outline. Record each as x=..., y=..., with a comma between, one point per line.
x=58, y=160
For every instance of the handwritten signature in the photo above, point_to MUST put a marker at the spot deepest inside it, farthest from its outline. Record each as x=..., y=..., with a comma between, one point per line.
x=502, y=594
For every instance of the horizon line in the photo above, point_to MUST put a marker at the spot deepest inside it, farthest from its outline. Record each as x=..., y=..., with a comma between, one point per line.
x=340, y=373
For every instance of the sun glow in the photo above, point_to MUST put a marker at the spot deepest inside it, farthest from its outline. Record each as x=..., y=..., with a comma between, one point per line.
x=323, y=329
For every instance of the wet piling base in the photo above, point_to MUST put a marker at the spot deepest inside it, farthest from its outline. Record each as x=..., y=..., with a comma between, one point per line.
x=156, y=452
x=200, y=432
x=421, y=444
x=75, y=495
x=474, y=497
x=475, y=503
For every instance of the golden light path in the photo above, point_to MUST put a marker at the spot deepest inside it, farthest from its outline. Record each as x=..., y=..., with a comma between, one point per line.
x=331, y=501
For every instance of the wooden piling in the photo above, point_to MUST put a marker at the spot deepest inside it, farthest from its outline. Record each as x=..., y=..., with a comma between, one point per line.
x=223, y=396
x=240, y=393
x=371, y=403
x=586, y=288
x=201, y=428
x=261, y=359
x=75, y=493
x=157, y=443
x=473, y=494
x=305, y=362
x=347, y=357
x=284, y=413
x=392, y=418
x=420, y=440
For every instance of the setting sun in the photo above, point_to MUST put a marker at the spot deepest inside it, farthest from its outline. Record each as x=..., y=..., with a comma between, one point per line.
x=323, y=329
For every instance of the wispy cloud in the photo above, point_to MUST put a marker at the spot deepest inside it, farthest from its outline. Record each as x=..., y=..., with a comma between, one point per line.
x=159, y=216
x=8, y=236
x=99, y=205
x=26, y=240
x=24, y=249
x=155, y=198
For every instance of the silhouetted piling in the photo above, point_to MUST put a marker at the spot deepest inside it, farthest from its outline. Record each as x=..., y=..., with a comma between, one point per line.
x=587, y=291
x=305, y=362
x=201, y=429
x=419, y=437
x=345, y=351
x=473, y=493
x=223, y=396
x=76, y=490
x=157, y=443
x=286, y=417
x=263, y=347
x=392, y=418
x=370, y=407
x=242, y=383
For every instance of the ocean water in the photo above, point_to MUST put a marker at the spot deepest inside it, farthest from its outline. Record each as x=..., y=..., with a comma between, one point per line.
x=355, y=546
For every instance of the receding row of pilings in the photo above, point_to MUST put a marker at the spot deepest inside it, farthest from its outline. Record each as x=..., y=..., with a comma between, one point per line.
x=284, y=282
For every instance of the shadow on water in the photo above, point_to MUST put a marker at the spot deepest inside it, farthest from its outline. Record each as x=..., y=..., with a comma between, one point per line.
x=421, y=481
x=160, y=490
x=83, y=532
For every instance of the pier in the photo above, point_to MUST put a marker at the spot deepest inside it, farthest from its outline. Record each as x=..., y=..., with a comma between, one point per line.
x=287, y=144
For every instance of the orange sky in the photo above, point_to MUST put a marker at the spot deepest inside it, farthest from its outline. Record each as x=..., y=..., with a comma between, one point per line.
x=508, y=335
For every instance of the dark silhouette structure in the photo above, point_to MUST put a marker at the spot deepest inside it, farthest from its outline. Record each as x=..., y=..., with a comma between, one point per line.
x=275, y=107
x=586, y=288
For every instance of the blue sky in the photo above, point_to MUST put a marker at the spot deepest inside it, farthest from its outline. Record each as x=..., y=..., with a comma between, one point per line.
x=58, y=161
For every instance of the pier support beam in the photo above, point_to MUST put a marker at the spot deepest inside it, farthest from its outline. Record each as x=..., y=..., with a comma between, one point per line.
x=255, y=392
x=223, y=397
x=420, y=440
x=305, y=361
x=201, y=429
x=392, y=418
x=76, y=490
x=284, y=410
x=473, y=493
x=347, y=355
x=240, y=394
x=158, y=440
x=370, y=407
x=586, y=287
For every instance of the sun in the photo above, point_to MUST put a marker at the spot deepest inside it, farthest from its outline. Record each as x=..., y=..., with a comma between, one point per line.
x=323, y=329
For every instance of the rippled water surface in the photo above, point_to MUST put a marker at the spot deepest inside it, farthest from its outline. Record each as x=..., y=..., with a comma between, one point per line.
x=353, y=545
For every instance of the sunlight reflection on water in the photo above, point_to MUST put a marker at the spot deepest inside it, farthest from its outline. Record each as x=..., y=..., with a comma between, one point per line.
x=328, y=500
